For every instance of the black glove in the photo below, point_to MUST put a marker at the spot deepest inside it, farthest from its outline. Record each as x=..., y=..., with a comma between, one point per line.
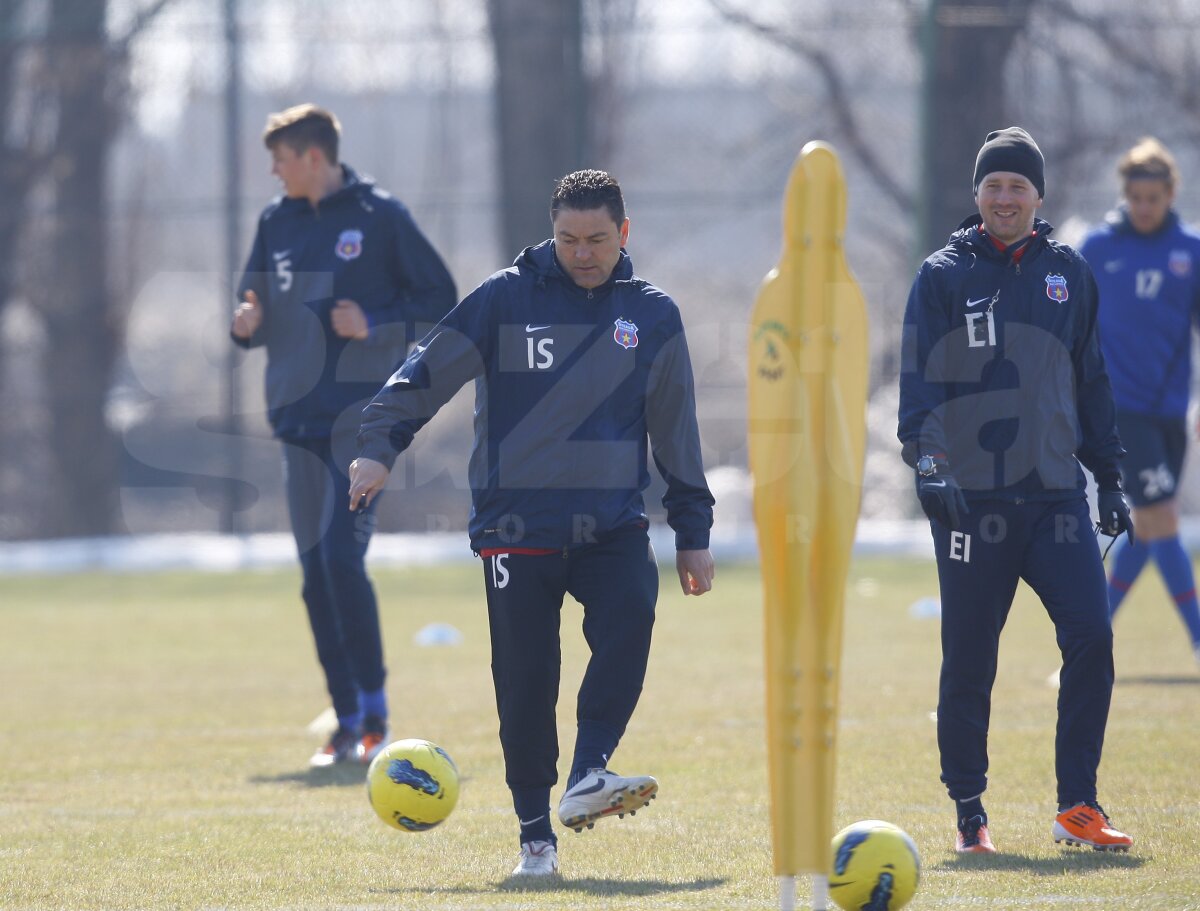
x=1114, y=513
x=942, y=498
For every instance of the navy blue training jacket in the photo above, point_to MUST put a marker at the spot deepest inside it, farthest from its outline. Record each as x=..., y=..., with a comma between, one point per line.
x=362, y=244
x=1002, y=371
x=1149, y=302
x=569, y=385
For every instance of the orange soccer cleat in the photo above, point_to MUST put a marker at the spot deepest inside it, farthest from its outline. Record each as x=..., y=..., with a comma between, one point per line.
x=374, y=738
x=973, y=837
x=1088, y=824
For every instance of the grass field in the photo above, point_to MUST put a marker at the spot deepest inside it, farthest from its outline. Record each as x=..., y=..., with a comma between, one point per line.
x=154, y=753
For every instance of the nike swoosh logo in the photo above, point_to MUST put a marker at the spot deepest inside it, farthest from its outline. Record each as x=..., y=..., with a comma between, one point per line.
x=599, y=785
x=981, y=300
x=935, y=483
x=529, y=328
x=1114, y=265
x=529, y=822
x=282, y=255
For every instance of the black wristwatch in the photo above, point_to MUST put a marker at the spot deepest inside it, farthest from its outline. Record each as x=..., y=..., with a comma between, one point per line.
x=926, y=466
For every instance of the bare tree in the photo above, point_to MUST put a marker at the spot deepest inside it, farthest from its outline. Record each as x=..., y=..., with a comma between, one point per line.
x=23, y=156
x=86, y=79
x=13, y=182
x=612, y=24
x=541, y=108
x=847, y=120
x=83, y=333
x=1175, y=76
x=966, y=46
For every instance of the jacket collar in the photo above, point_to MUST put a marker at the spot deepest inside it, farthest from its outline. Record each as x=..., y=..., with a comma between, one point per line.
x=542, y=260
x=352, y=185
x=969, y=235
x=1118, y=218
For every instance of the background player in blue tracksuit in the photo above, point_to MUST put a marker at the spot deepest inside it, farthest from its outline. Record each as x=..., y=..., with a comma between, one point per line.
x=1003, y=393
x=1147, y=265
x=576, y=363
x=337, y=273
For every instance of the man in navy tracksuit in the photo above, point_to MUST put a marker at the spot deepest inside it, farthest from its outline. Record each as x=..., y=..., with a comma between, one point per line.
x=1003, y=393
x=1147, y=264
x=576, y=363
x=337, y=274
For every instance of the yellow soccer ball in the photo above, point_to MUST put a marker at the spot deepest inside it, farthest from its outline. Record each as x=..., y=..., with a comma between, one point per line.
x=876, y=867
x=412, y=785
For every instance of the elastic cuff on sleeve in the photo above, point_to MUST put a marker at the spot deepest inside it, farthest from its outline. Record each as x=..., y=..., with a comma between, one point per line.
x=382, y=454
x=691, y=540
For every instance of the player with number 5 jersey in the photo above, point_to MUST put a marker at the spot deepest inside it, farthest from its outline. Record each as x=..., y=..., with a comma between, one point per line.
x=582, y=374
x=338, y=274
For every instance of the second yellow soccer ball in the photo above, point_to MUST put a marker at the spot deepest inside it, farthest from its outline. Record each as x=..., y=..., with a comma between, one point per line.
x=876, y=867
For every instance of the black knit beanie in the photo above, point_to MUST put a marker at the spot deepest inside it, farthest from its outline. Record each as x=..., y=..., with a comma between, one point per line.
x=1011, y=150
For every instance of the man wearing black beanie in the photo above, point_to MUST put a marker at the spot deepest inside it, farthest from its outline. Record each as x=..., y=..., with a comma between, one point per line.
x=1004, y=398
x=1011, y=150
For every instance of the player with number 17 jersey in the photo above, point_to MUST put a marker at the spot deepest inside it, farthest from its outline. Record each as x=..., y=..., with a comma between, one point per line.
x=1149, y=303
x=1147, y=264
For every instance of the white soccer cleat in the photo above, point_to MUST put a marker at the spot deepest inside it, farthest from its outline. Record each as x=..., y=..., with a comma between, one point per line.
x=342, y=747
x=538, y=858
x=603, y=793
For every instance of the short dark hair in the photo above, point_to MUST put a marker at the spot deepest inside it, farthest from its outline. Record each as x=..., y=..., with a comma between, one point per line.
x=589, y=189
x=302, y=127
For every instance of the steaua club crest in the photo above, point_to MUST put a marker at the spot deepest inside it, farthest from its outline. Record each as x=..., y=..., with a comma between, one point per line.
x=1056, y=288
x=349, y=245
x=625, y=334
x=1180, y=263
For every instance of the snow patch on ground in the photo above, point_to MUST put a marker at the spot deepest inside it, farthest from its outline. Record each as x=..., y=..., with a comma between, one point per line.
x=232, y=553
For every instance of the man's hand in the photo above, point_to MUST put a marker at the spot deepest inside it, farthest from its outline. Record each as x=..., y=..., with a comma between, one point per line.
x=1114, y=514
x=942, y=499
x=696, y=571
x=247, y=317
x=367, y=479
x=349, y=321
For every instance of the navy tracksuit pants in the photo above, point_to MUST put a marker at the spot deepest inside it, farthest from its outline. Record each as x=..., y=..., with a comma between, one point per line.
x=616, y=581
x=332, y=543
x=1052, y=547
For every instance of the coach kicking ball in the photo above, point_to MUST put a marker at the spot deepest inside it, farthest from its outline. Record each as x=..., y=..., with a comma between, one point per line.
x=581, y=374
